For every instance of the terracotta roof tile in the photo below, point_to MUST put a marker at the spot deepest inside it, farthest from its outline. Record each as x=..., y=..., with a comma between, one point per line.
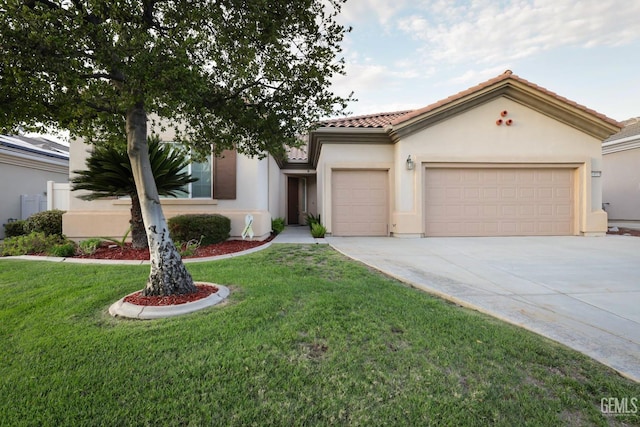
x=504, y=76
x=382, y=120
x=298, y=153
x=379, y=120
x=631, y=128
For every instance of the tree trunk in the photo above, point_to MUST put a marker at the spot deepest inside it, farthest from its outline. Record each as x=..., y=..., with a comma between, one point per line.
x=168, y=274
x=138, y=232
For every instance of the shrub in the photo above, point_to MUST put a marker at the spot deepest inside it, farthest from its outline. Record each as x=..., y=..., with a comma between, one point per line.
x=189, y=248
x=47, y=222
x=89, y=246
x=32, y=243
x=318, y=230
x=210, y=228
x=311, y=219
x=277, y=225
x=66, y=249
x=15, y=228
x=120, y=242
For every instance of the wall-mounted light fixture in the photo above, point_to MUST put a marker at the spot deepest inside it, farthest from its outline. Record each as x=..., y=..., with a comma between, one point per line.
x=410, y=163
x=596, y=174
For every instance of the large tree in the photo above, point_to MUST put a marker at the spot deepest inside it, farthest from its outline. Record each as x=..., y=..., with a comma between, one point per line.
x=243, y=74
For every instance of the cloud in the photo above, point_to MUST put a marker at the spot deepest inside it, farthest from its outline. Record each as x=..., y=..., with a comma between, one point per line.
x=483, y=31
x=473, y=77
x=363, y=76
x=383, y=11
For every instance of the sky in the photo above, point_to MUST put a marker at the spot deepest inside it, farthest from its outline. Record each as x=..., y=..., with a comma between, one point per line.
x=407, y=54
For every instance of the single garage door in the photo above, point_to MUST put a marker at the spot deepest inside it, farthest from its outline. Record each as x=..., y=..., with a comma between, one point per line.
x=499, y=201
x=359, y=203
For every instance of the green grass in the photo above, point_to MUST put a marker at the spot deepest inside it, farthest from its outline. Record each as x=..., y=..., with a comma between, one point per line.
x=306, y=338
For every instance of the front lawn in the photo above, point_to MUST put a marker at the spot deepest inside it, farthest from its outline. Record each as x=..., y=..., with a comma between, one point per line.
x=307, y=337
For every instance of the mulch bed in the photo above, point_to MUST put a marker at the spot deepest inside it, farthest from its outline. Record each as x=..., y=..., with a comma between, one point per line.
x=115, y=252
x=139, y=299
x=624, y=231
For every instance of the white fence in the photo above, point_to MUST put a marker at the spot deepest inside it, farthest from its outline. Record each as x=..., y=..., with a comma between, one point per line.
x=57, y=196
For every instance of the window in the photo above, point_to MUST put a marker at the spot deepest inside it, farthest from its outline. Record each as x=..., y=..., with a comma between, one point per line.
x=203, y=187
x=216, y=177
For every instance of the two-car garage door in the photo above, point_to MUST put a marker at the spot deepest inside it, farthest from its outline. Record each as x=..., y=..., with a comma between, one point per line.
x=462, y=201
x=469, y=201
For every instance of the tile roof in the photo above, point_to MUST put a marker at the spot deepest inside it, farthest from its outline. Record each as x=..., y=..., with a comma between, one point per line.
x=631, y=128
x=296, y=154
x=381, y=120
x=508, y=74
x=378, y=120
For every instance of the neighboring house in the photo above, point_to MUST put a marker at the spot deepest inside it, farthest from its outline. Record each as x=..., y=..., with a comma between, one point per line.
x=503, y=158
x=26, y=165
x=621, y=173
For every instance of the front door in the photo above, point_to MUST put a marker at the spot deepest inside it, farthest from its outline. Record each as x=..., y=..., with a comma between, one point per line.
x=292, y=201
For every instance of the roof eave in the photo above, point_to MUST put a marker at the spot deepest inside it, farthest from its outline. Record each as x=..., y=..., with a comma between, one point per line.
x=515, y=90
x=346, y=135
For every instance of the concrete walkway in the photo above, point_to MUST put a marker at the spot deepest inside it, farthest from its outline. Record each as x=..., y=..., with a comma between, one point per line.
x=300, y=234
x=581, y=291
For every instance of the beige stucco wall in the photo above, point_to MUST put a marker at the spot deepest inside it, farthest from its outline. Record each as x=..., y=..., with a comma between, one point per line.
x=110, y=218
x=467, y=139
x=621, y=184
x=356, y=156
x=474, y=137
x=276, y=190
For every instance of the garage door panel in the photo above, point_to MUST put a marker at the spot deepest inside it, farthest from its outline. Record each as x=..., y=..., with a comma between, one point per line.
x=562, y=193
x=528, y=227
x=359, y=203
x=490, y=193
x=498, y=201
x=546, y=210
x=508, y=193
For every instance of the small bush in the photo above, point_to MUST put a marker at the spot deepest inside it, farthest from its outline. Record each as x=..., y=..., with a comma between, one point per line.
x=311, y=219
x=210, y=228
x=89, y=246
x=15, y=228
x=189, y=248
x=318, y=230
x=47, y=222
x=32, y=243
x=65, y=249
x=277, y=225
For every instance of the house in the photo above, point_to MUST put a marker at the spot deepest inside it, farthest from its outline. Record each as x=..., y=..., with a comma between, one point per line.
x=503, y=158
x=621, y=173
x=27, y=165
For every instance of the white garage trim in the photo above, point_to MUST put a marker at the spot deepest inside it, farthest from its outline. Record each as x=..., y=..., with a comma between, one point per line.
x=499, y=200
x=360, y=202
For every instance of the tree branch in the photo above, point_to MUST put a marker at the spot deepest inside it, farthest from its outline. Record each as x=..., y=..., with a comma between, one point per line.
x=117, y=78
x=147, y=13
x=100, y=108
x=32, y=3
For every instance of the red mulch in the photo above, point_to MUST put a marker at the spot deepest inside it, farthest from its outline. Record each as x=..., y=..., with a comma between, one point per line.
x=115, y=252
x=625, y=232
x=203, y=292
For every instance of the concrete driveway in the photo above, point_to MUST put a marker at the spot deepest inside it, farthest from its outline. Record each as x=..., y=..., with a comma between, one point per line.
x=581, y=291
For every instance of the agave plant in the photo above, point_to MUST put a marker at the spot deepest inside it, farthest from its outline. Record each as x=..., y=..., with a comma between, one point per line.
x=108, y=174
